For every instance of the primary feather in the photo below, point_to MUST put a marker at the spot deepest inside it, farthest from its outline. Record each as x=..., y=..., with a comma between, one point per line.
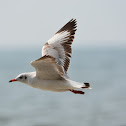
x=59, y=46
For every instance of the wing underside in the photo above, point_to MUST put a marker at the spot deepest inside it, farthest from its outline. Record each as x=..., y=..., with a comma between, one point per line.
x=47, y=68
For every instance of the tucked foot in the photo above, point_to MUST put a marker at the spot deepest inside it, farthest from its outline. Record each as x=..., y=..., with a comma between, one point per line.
x=77, y=92
x=87, y=85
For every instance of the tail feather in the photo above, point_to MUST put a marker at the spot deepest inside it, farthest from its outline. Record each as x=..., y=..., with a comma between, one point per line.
x=87, y=85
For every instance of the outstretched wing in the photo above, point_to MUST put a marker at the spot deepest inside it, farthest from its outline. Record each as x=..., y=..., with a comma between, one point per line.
x=59, y=46
x=47, y=68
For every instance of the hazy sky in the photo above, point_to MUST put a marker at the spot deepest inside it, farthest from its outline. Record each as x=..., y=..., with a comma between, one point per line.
x=24, y=22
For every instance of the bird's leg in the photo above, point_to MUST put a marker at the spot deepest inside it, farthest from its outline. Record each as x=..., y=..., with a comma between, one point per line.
x=77, y=92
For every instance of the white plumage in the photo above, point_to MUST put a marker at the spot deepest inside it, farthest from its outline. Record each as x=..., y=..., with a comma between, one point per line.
x=51, y=68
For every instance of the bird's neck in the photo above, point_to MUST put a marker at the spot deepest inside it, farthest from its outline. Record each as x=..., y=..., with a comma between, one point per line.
x=31, y=78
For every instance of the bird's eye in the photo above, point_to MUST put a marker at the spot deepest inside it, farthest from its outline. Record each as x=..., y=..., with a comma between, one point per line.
x=20, y=77
x=25, y=77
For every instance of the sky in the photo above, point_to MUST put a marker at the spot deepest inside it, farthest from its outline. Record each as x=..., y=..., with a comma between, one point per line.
x=30, y=23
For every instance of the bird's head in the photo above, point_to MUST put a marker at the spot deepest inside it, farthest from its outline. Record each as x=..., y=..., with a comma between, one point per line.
x=21, y=78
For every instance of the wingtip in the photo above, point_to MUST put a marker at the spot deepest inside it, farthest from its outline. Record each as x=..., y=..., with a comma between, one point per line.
x=70, y=26
x=31, y=62
x=73, y=20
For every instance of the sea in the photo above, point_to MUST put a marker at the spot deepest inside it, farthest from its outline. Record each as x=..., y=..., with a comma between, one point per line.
x=103, y=105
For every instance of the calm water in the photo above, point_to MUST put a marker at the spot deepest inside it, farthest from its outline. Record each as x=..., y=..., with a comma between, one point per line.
x=105, y=104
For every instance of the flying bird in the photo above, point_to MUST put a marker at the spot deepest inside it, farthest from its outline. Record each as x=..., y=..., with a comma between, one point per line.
x=51, y=68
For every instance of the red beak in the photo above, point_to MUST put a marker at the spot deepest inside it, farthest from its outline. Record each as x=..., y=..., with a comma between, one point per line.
x=12, y=80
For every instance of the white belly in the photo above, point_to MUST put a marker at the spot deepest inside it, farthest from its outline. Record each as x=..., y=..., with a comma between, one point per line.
x=56, y=85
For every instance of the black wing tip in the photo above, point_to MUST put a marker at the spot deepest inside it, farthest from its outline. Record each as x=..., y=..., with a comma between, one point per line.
x=69, y=26
x=73, y=21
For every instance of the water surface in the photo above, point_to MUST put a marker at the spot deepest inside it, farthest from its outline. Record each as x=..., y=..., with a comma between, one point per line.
x=104, y=68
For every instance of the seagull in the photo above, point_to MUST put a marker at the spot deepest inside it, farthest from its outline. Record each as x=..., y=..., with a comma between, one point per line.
x=51, y=68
